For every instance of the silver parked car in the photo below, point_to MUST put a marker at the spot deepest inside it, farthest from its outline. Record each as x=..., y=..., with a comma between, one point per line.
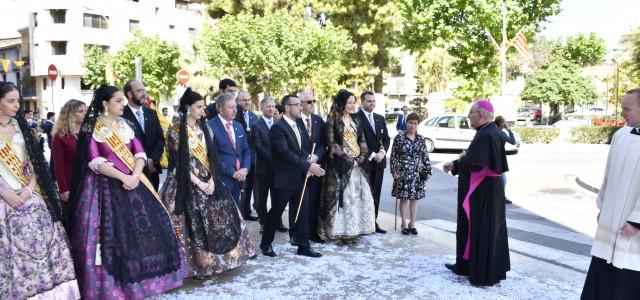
x=453, y=132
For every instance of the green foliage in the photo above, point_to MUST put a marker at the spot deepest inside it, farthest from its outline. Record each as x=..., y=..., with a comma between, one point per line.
x=531, y=135
x=276, y=53
x=160, y=63
x=582, y=50
x=95, y=63
x=461, y=26
x=456, y=106
x=559, y=82
x=593, y=134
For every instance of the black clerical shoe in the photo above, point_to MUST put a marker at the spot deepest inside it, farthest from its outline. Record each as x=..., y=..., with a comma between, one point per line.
x=249, y=217
x=380, y=230
x=507, y=201
x=268, y=251
x=452, y=268
x=308, y=252
x=282, y=228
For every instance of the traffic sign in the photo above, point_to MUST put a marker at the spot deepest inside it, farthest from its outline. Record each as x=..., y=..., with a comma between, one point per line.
x=183, y=76
x=53, y=72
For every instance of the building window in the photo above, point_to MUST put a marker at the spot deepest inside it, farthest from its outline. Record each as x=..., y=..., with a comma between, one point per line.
x=44, y=84
x=96, y=21
x=62, y=82
x=172, y=27
x=58, y=16
x=182, y=4
x=35, y=19
x=59, y=47
x=134, y=25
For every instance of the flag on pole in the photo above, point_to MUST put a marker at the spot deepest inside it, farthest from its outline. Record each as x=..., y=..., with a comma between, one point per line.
x=521, y=44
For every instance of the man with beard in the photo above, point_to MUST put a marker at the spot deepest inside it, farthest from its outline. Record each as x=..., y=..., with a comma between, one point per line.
x=147, y=128
x=482, y=250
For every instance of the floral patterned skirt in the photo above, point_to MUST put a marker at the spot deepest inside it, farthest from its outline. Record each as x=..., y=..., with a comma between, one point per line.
x=202, y=263
x=34, y=253
x=357, y=214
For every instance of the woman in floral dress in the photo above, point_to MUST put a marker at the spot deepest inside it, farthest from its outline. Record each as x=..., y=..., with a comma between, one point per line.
x=410, y=167
x=122, y=238
x=34, y=253
x=212, y=232
x=346, y=202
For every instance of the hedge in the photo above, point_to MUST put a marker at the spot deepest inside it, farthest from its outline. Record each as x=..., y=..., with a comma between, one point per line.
x=593, y=134
x=532, y=135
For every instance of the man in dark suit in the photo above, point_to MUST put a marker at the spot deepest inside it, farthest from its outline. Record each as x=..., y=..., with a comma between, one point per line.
x=247, y=118
x=313, y=126
x=295, y=163
x=377, y=138
x=402, y=119
x=225, y=86
x=234, y=156
x=263, y=161
x=147, y=128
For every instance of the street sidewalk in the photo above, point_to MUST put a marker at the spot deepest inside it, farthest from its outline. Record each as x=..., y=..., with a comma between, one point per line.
x=379, y=266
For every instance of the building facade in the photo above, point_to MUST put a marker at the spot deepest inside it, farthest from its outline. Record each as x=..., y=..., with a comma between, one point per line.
x=58, y=32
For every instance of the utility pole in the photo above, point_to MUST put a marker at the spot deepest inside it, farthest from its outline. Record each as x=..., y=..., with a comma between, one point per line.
x=503, y=49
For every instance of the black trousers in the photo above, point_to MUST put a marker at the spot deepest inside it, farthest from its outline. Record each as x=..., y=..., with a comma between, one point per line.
x=313, y=190
x=375, y=181
x=279, y=200
x=246, y=198
x=261, y=187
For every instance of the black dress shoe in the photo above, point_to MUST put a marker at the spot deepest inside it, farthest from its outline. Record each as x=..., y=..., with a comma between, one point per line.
x=251, y=218
x=507, y=201
x=308, y=252
x=380, y=230
x=452, y=268
x=405, y=231
x=282, y=228
x=268, y=251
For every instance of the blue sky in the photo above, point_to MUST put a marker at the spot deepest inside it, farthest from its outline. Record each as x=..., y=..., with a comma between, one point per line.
x=608, y=19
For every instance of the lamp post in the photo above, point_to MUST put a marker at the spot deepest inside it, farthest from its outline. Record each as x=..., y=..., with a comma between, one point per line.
x=615, y=120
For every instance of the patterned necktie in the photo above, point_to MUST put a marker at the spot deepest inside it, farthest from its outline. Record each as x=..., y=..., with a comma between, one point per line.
x=246, y=119
x=233, y=143
x=140, y=118
x=635, y=131
x=269, y=123
x=309, y=127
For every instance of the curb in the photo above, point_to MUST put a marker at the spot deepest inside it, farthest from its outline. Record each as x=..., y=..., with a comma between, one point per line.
x=586, y=186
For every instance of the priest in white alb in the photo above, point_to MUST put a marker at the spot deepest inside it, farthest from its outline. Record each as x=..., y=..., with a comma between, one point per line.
x=614, y=272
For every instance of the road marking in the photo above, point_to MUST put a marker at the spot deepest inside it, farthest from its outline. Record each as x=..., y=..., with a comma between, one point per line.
x=555, y=256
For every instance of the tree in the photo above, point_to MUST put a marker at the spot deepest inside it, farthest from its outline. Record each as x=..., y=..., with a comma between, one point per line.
x=559, y=82
x=371, y=25
x=274, y=53
x=432, y=75
x=582, y=50
x=463, y=28
x=95, y=63
x=160, y=63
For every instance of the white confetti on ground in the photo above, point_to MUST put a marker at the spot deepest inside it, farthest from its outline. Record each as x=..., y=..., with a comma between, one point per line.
x=374, y=268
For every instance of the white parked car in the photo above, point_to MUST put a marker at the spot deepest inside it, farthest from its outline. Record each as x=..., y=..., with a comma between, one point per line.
x=453, y=132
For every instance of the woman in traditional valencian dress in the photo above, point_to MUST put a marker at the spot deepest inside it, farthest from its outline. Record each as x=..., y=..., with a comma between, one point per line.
x=214, y=237
x=124, y=244
x=346, y=207
x=34, y=253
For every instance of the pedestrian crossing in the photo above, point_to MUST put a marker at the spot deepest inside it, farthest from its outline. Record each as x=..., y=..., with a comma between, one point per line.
x=558, y=257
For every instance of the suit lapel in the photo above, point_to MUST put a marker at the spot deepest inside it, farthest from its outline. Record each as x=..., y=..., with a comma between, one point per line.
x=365, y=120
x=132, y=117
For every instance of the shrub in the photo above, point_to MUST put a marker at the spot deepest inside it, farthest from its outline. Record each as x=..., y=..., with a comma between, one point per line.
x=537, y=135
x=593, y=134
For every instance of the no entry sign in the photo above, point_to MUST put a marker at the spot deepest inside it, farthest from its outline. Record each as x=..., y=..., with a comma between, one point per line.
x=53, y=72
x=183, y=76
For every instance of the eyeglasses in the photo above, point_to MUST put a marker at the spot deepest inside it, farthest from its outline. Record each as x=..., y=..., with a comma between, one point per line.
x=310, y=101
x=472, y=111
